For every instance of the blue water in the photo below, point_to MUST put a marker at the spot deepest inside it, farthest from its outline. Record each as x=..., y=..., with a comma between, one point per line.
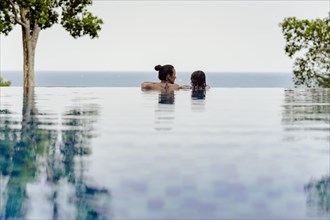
x=122, y=153
x=134, y=79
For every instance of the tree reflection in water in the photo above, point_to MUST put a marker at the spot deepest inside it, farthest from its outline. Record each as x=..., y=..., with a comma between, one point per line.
x=318, y=196
x=303, y=107
x=309, y=110
x=38, y=144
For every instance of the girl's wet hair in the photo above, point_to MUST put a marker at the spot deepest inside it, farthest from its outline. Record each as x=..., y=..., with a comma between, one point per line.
x=198, y=81
x=164, y=71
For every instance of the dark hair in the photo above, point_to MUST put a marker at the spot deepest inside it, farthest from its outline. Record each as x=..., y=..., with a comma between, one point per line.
x=198, y=81
x=164, y=71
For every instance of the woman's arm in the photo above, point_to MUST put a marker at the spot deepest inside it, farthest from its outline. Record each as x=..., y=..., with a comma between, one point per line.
x=186, y=87
x=148, y=85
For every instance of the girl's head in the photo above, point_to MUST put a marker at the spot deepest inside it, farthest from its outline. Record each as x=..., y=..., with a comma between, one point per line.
x=198, y=81
x=166, y=73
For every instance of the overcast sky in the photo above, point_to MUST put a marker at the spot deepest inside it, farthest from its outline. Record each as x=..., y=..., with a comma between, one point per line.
x=222, y=36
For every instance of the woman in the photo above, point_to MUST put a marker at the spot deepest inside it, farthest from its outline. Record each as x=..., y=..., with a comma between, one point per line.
x=167, y=76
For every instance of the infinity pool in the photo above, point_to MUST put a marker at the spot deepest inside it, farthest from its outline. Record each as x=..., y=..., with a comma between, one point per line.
x=121, y=153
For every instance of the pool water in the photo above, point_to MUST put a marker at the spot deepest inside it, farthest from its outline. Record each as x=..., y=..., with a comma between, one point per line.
x=121, y=153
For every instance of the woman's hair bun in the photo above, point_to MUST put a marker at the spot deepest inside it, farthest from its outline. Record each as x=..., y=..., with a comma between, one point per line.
x=158, y=67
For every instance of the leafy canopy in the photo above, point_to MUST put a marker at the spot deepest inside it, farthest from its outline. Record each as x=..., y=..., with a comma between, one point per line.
x=309, y=42
x=71, y=14
x=4, y=83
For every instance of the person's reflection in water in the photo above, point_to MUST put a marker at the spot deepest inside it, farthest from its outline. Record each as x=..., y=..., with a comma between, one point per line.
x=198, y=100
x=165, y=111
x=27, y=158
x=198, y=95
x=166, y=98
x=318, y=197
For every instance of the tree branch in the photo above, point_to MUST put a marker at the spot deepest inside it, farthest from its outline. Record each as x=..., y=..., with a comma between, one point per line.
x=19, y=21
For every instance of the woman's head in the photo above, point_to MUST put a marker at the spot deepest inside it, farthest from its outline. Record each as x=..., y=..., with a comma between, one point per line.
x=166, y=73
x=198, y=81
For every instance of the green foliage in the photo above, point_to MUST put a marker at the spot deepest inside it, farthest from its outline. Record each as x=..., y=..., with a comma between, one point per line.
x=72, y=14
x=4, y=83
x=308, y=41
x=318, y=193
x=6, y=17
x=78, y=21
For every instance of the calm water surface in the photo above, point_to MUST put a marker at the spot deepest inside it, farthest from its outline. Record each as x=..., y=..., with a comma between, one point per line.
x=120, y=153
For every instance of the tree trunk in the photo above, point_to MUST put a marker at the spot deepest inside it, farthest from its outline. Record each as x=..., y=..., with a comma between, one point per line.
x=29, y=112
x=30, y=39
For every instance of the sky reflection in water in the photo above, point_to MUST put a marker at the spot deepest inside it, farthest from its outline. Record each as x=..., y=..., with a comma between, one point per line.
x=93, y=153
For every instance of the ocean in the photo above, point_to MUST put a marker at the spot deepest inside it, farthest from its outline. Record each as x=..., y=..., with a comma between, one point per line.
x=134, y=79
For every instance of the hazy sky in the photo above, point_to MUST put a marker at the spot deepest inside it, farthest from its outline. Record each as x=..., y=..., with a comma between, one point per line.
x=225, y=36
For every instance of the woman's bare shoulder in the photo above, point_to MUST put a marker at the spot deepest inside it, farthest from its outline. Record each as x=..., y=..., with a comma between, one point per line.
x=149, y=85
x=159, y=86
x=174, y=86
